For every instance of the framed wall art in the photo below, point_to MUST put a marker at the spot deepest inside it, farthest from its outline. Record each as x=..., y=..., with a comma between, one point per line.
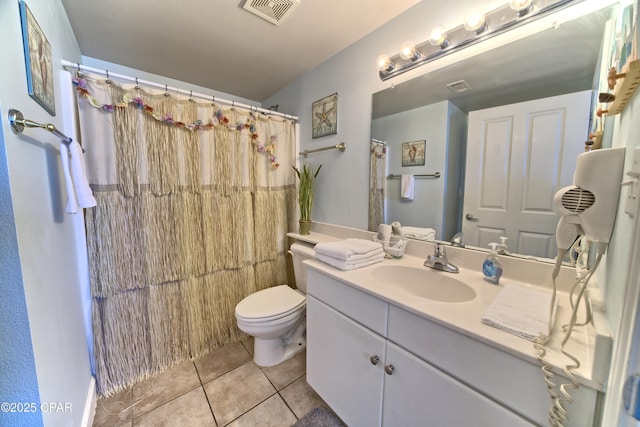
x=37, y=58
x=325, y=116
x=414, y=153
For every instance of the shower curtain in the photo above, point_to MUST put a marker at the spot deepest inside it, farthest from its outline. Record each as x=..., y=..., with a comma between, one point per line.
x=192, y=214
x=377, y=177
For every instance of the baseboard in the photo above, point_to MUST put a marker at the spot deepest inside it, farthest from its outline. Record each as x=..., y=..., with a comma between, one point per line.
x=90, y=405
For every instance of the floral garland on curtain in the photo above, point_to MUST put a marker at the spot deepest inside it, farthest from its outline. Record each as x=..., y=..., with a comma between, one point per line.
x=218, y=119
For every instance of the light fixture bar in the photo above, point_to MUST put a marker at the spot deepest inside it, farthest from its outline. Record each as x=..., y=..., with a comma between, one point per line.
x=498, y=21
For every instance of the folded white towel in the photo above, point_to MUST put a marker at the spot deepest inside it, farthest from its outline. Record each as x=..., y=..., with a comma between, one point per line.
x=520, y=311
x=347, y=248
x=406, y=187
x=72, y=202
x=350, y=264
x=79, y=174
x=419, y=233
x=78, y=191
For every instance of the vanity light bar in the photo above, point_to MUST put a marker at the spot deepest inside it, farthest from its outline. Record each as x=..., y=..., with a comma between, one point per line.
x=497, y=22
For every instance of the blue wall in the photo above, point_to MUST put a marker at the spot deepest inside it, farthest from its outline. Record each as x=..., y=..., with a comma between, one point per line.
x=18, y=381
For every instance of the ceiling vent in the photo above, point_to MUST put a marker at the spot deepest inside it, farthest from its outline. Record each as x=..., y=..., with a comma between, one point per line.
x=459, y=87
x=274, y=11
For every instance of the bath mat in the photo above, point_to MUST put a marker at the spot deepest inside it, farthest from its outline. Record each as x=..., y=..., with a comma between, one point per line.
x=319, y=417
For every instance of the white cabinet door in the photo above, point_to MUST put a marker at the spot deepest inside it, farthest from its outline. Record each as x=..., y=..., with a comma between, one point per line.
x=417, y=394
x=339, y=366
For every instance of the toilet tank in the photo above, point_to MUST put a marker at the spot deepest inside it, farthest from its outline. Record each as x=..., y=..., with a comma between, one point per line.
x=301, y=251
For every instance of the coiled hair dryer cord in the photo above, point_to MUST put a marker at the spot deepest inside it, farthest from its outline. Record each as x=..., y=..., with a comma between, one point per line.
x=559, y=393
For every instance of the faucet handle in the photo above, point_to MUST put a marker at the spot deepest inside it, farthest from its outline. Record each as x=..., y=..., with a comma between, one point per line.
x=440, y=251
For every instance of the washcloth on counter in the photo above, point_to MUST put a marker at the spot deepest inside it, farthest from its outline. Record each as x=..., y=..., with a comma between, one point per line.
x=521, y=311
x=419, y=233
x=349, y=249
x=350, y=264
x=407, y=183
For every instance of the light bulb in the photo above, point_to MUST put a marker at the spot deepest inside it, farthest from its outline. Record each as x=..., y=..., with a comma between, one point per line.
x=384, y=63
x=408, y=51
x=438, y=37
x=522, y=7
x=475, y=21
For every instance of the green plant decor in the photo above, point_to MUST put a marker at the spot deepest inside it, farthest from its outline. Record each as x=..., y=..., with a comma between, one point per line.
x=307, y=178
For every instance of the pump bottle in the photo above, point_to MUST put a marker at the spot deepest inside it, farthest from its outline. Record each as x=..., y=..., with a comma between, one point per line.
x=491, y=267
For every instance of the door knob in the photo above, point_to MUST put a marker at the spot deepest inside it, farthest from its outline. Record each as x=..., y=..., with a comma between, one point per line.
x=389, y=369
x=374, y=360
x=471, y=217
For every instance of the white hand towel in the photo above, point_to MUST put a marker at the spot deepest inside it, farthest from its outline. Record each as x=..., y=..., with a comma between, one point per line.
x=406, y=187
x=344, y=249
x=78, y=191
x=83, y=191
x=349, y=264
x=419, y=233
x=520, y=311
x=72, y=203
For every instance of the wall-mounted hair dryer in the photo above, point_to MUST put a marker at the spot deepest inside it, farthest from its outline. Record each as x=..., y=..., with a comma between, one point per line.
x=589, y=206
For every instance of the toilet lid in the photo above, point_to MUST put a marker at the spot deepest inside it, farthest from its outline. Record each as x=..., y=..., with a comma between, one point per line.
x=270, y=302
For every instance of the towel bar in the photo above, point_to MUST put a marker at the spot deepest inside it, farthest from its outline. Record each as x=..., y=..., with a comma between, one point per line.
x=18, y=123
x=428, y=175
x=342, y=146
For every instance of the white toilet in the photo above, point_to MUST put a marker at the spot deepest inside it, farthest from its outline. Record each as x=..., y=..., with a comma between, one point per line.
x=275, y=316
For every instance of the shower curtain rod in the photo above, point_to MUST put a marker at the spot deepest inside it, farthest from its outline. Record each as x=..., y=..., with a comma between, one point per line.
x=190, y=93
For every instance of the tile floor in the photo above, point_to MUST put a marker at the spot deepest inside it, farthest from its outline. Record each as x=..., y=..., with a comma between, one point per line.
x=223, y=388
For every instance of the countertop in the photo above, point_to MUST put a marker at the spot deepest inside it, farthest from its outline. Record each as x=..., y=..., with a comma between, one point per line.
x=589, y=345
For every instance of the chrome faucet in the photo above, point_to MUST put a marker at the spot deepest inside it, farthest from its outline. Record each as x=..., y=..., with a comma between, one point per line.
x=439, y=260
x=456, y=240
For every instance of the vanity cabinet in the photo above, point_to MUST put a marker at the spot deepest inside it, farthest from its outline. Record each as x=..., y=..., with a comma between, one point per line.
x=368, y=380
x=377, y=364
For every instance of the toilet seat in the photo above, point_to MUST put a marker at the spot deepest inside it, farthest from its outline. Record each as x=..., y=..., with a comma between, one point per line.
x=270, y=304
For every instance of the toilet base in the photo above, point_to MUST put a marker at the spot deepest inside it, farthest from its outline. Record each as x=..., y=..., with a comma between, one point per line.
x=271, y=352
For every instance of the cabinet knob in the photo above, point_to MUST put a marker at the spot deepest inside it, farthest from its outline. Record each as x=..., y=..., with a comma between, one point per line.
x=389, y=369
x=374, y=360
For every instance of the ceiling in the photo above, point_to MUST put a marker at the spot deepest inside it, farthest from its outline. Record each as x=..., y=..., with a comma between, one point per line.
x=217, y=44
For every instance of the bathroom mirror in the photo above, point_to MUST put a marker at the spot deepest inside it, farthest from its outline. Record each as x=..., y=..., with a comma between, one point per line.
x=553, y=62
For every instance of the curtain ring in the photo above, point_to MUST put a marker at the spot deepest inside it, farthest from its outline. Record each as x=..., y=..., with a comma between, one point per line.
x=190, y=96
x=78, y=72
x=233, y=104
x=166, y=90
x=213, y=101
x=137, y=87
x=108, y=79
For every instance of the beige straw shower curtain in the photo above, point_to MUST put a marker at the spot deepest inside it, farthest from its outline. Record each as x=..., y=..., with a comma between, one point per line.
x=377, y=177
x=192, y=216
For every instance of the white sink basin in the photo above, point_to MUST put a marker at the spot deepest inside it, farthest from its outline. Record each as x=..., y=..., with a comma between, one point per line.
x=424, y=283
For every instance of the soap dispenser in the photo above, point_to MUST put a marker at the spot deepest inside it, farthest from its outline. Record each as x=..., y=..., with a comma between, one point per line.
x=491, y=267
x=502, y=248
